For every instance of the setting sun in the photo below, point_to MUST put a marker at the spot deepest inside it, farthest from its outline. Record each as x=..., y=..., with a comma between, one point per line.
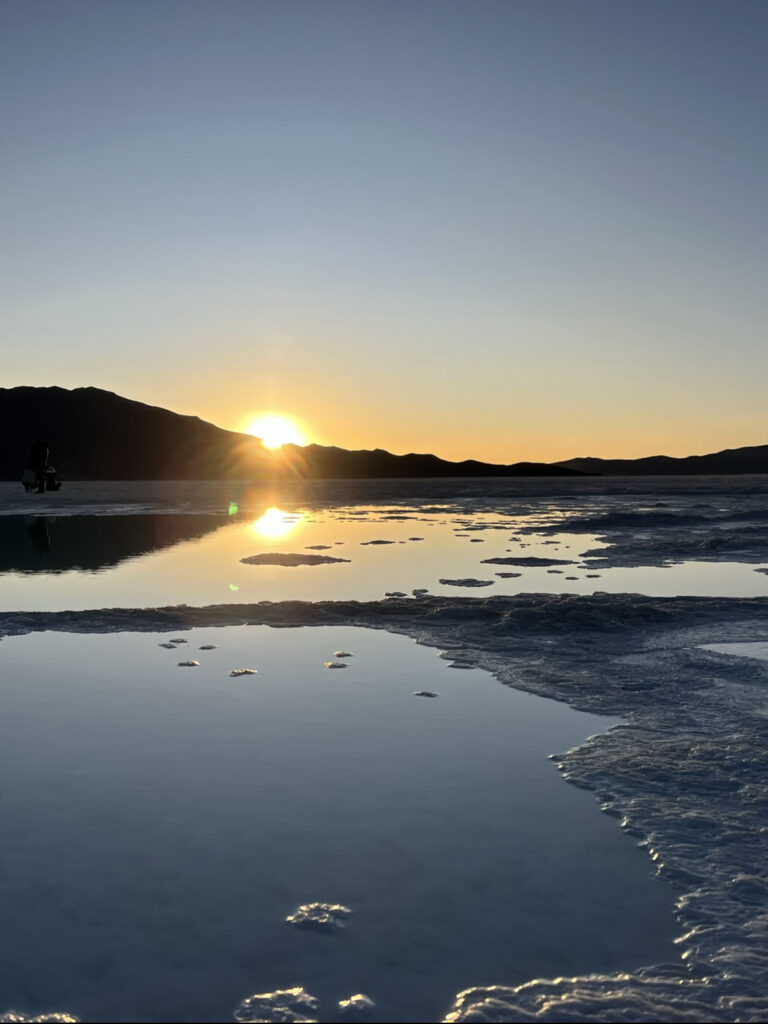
x=276, y=430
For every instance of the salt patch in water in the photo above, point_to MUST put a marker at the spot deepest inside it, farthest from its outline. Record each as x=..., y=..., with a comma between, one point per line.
x=357, y=1004
x=15, y=1017
x=290, y=559
x=468, y=582
x=528, y=561
x=320, y=917
x=283, y=1006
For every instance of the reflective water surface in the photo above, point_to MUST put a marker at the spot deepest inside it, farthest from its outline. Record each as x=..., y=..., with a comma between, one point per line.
x=164, y=820
x=161, y=821
x=167, y=544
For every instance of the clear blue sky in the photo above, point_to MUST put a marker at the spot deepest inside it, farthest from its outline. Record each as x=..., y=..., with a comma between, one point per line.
x=503, y=229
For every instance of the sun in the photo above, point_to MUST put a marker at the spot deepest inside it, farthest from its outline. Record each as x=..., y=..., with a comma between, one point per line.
x=275, y=430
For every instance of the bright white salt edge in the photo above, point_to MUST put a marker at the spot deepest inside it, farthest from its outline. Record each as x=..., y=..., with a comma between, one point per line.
x=284, y=1005
x=321, y=917
x=14, y=1017
x=356, y=1004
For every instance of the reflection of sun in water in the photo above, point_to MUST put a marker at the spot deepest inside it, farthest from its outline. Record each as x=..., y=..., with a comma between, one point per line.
x=276, y=430
x=275, y=523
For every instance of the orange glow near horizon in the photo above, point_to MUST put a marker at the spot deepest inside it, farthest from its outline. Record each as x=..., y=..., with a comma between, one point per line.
x=276, y=429
x=502, y=435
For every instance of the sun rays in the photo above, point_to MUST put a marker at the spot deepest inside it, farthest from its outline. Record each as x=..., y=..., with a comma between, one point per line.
x=276, y=429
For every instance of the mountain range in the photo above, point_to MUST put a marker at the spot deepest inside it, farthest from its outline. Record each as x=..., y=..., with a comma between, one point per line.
x=97, y=435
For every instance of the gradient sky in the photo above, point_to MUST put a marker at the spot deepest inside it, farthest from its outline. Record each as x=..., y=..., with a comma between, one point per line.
x=505, y=230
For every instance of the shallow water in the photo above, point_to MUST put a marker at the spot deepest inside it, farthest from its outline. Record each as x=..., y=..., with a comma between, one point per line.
x=164, y=820
x=118, y=750
x=177, y=545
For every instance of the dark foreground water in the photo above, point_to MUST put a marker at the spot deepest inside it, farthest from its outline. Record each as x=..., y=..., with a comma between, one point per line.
x=161, y=821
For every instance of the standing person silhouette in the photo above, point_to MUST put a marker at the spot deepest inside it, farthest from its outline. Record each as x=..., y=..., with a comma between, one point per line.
x=38, y=463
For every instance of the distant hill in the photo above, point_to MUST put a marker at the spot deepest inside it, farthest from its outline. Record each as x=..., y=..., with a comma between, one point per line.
x=97, y=435
x=732, y=460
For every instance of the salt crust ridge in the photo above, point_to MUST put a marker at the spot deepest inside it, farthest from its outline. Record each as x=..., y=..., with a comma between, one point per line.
x=686, y=776
x=14, y=1017
x=664, y=536
x=282, y=1006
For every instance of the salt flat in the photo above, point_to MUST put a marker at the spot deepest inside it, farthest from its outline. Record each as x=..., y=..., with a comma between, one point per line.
x=684, y=776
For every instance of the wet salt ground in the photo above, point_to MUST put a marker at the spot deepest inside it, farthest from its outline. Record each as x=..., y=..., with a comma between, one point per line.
x=389, y=550
x=755, y=649
x=164, y=820
x=710, y=521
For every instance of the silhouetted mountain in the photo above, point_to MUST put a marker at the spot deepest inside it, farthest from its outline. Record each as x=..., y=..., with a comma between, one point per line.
x=97, y=435
x=732, y=460
x=60, y=543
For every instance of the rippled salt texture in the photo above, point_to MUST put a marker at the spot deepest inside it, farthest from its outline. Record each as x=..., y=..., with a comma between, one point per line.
x=162, y=825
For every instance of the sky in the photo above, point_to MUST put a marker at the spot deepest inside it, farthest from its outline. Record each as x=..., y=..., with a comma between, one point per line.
x=492, y=229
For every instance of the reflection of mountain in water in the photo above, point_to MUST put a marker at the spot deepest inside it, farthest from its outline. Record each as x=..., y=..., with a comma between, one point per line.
x=40, y=544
